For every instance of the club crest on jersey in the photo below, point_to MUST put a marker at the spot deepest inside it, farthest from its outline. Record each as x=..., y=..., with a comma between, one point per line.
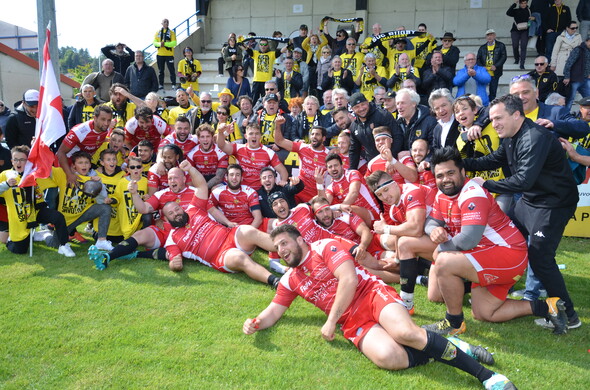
x=545, y=79
x=410, y=197
x=333, y=248
x=471, y=206
x=418, y=133
x=490, y=279
x=177, y=200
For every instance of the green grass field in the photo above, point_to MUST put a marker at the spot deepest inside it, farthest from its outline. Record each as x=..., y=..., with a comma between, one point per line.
x=65, y=325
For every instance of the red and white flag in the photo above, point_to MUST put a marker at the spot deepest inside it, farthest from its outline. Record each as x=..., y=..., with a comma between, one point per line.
x=50, y=124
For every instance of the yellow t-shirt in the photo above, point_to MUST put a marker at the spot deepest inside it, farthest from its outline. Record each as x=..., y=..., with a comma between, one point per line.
x=187, y=68
x=483, y=146
x=104, y=146
x=393, y=56
x=176, y=112
x=122, y=116
x=167, y=49
x=267, y=128
x=110, y=183
x=72, y=201
x=490, y=58
x=369, y=83
x=128, y=216
x=20, y=211
x=420, y=58
x=263, y=65
x=234, y=136
x=353, y=62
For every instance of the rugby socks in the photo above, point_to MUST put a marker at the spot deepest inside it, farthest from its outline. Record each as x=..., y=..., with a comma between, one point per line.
x=455, y=319
x=415, y=357
x=539, y=308
x=446, y=352
x=408, y=270
x=273, y=281
x=156, y=254
x=124, y=248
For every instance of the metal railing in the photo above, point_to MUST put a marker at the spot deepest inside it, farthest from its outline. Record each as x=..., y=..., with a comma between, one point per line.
x=19, y=39
x=186, y=27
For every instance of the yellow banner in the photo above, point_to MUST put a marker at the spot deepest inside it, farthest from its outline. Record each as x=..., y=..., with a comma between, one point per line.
x=579, y=225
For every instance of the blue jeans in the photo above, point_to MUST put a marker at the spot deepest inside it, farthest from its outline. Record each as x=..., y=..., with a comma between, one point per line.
x=549, y=43
x=582, y=86
x=532, y=286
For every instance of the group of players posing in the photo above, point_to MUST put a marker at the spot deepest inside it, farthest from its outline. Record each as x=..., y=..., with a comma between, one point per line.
x=339, y=247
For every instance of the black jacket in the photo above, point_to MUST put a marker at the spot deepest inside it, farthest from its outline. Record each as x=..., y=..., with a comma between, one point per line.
x=538, y=165
x=122, y=61
x=450, y=140
x=361, y=135
x=520, y=15
x=421, y=126
x=75, y=116
x=451, y=58
x=583, y=10
x=346, y=81
x=141, y=81
x=296, y=84
x=288, y=190
x=20, y=128
x=441, y=79
x=557, y=22
x=546, y=83
x=499, y=57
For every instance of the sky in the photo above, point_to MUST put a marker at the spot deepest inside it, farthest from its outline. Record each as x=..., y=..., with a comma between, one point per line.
x=94, y=24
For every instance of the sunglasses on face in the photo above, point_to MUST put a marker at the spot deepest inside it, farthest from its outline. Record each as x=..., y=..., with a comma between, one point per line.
x=539, y=64
x=264, y=44
x=573, y=28
x=269, y=89
x=221, y=113
x=135, y=167
x=206, y=101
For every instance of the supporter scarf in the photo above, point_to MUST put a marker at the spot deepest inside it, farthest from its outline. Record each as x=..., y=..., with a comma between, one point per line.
x=308, y=126
x=348, y=20
x=393, y=35
x=282, y=40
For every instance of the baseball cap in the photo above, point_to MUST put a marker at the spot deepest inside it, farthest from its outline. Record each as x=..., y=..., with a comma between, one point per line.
x=490, y=31
x=31, y=97
x=271, y=96
x=298, y=49
x=357, y=98
x=276, y=195
x=390, y=95
x=584, y=101
x=303, y=27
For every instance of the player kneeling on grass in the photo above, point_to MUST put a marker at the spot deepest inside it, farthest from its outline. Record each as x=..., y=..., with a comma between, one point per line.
x=26, y=208
x=477, y=242
x=370, y=312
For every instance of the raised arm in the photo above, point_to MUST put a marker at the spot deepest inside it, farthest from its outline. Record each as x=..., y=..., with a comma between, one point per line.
x=280, y=140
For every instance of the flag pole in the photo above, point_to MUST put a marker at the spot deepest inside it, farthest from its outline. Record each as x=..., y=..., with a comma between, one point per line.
x=31, y=236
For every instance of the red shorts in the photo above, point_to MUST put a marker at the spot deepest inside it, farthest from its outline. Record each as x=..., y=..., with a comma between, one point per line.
x=375, y=247
x=498, y=267
x=161, y=234
x=218, y=262
x=365, y=312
